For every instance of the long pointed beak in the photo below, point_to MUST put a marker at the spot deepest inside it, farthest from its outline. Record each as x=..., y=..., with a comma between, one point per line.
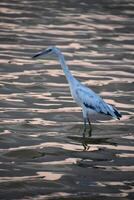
x=41, y=53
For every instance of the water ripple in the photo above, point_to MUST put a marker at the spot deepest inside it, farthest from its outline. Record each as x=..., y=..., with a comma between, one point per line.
x=41, y=151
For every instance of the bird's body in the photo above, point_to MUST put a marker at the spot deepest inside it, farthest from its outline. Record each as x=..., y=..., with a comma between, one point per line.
x=86, y=98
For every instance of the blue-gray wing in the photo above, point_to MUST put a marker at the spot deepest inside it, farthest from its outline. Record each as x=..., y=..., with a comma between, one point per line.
x=92, y=101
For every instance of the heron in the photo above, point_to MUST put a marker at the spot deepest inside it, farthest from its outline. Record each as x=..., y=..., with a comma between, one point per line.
x=86, y=98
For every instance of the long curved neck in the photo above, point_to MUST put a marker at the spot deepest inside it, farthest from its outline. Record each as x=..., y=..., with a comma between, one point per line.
x=68, y=74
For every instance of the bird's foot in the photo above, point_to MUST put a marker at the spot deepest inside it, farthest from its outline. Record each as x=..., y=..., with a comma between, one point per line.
x=85, y=143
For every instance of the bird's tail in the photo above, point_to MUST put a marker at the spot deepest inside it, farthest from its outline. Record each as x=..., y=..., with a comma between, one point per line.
x=116, y=113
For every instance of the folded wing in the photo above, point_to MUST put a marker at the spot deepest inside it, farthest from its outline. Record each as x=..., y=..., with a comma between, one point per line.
x=92, y=101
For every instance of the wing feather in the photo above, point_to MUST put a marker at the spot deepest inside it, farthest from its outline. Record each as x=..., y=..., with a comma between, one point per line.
x=91, y=100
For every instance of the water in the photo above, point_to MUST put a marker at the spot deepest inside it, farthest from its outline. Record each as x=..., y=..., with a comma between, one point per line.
x=41, y=152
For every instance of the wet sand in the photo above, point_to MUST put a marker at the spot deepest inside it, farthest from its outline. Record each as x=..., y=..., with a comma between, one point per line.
x=41, y=151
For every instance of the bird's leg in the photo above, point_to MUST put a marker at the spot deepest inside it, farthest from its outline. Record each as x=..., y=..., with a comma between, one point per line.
x=85, y=127
x=90, y=130
x=84, y=142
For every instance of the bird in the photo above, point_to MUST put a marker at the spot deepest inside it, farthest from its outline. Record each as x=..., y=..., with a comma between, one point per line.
x=86, y=98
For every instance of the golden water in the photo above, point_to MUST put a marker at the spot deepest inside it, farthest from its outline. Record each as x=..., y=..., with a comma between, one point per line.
x=41, y=152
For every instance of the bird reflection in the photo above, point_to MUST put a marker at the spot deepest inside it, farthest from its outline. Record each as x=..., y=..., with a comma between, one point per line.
x=88, y=142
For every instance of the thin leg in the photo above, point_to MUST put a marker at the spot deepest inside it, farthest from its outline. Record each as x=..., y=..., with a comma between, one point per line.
x=90, y=130
x=85, y=127
x=84, y=142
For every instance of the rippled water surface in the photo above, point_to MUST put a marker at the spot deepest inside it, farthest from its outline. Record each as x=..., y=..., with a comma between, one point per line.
x=41, y=152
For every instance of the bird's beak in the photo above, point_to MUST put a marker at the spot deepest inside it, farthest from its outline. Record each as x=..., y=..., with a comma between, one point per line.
x=41, y=53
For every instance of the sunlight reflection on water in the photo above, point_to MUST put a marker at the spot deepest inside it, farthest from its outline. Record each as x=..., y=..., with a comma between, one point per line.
x=41, y=152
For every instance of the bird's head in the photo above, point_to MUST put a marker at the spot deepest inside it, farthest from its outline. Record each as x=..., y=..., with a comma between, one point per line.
x=49, y=50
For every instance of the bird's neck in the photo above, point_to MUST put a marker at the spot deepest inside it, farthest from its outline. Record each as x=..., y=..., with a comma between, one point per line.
x=68, y=74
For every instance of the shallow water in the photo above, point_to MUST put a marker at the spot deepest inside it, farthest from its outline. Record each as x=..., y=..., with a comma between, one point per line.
x=41, y=151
